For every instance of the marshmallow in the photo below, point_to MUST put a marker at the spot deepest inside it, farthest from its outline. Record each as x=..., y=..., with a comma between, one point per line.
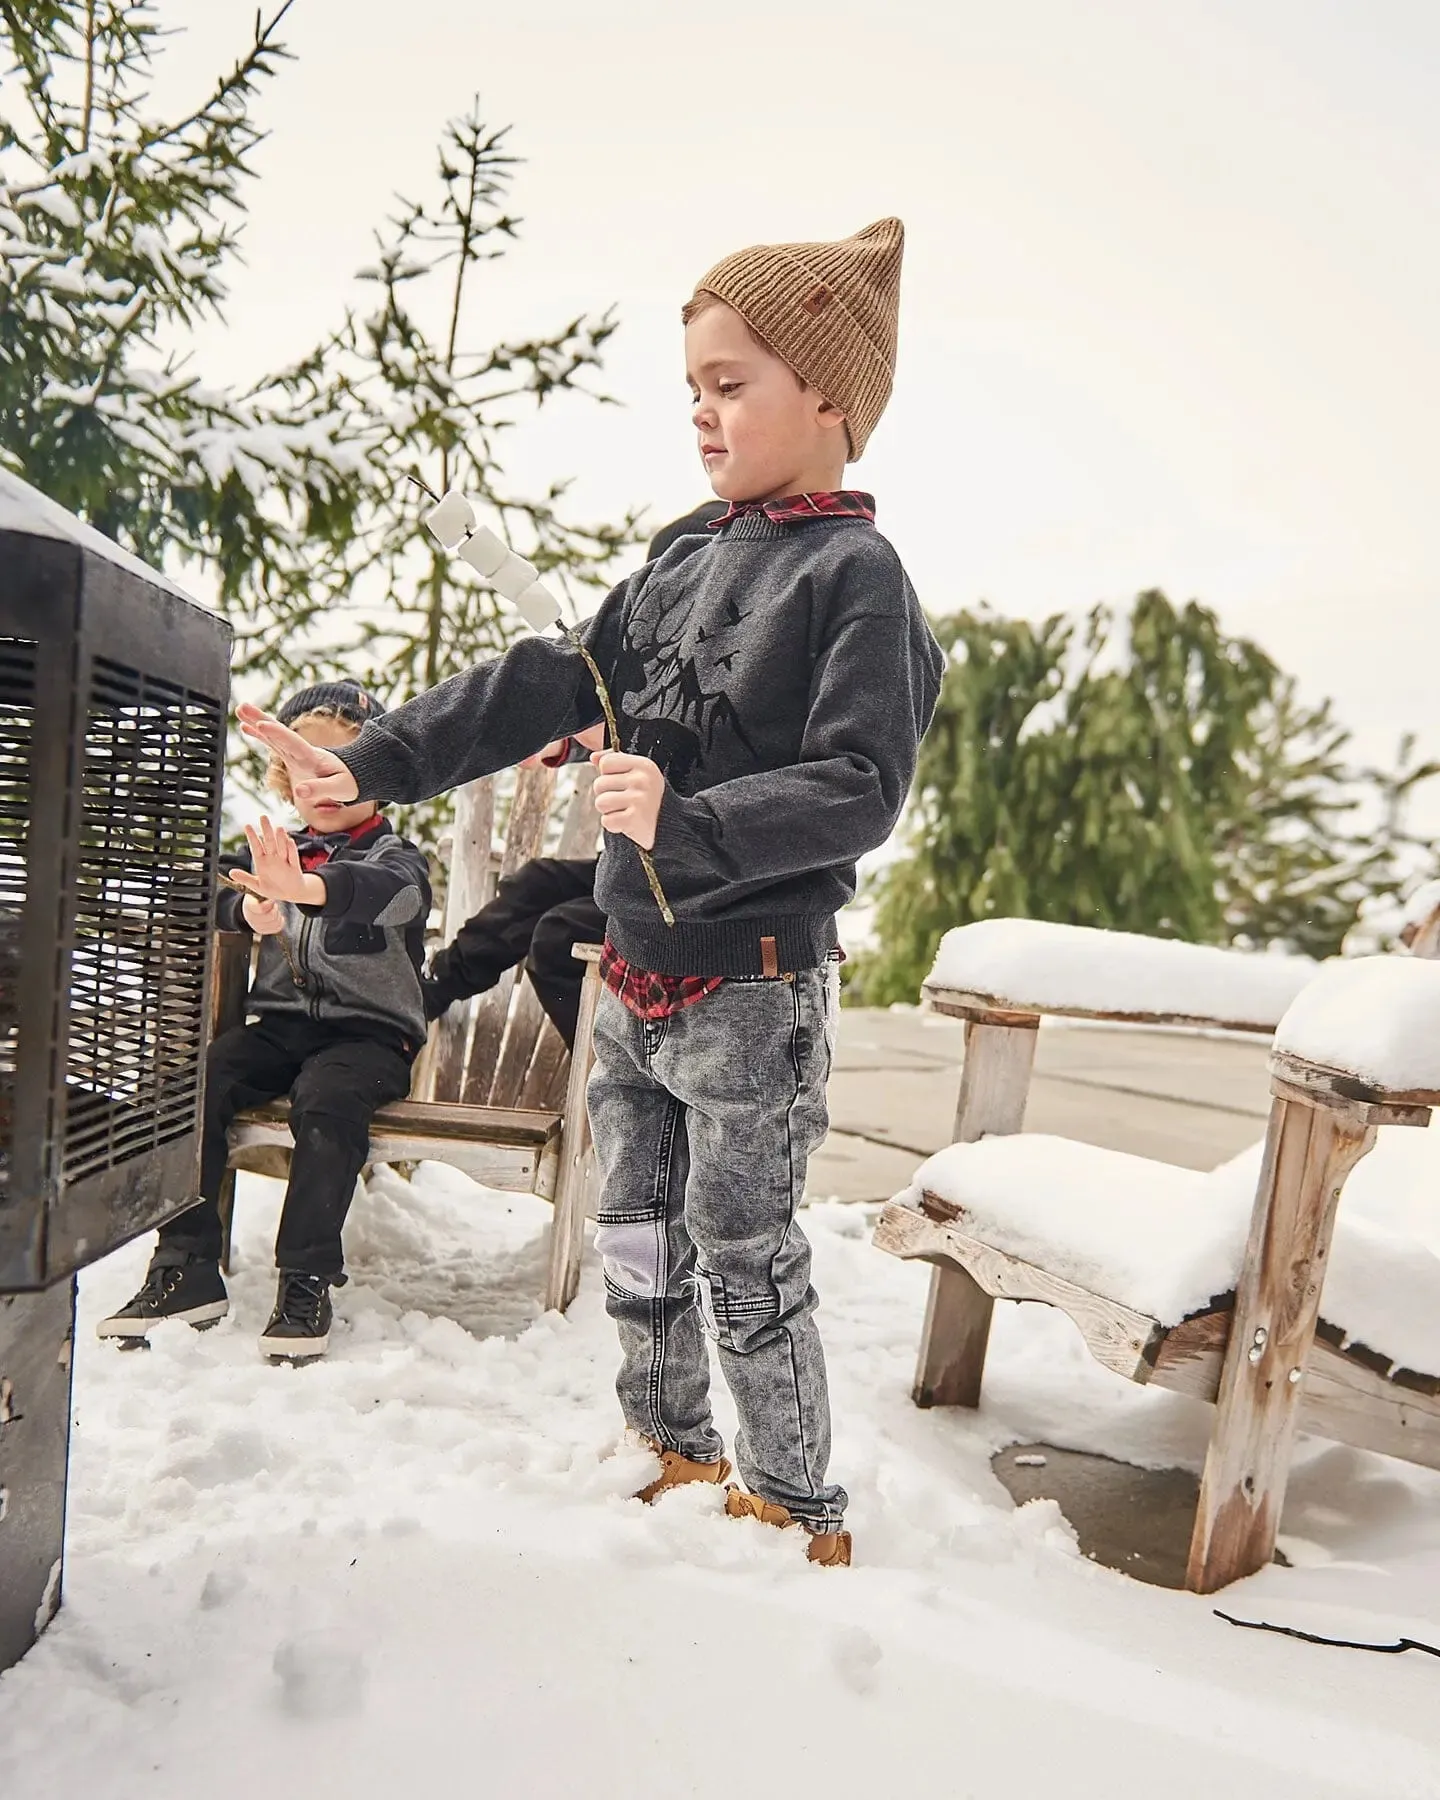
x=450, y=519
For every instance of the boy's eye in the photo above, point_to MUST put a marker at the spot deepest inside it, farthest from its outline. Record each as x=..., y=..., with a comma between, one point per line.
x=727, y=388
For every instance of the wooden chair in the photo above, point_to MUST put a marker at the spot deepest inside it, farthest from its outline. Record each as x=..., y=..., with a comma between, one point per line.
x=495, y=1094
x=1264, y=1355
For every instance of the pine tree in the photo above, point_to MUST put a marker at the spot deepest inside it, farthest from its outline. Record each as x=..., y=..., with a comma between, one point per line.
x=417, y=399
x=116, y=231
x=1146, y=773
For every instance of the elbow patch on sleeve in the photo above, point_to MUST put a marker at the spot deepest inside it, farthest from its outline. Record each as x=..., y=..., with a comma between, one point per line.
x=400, y=910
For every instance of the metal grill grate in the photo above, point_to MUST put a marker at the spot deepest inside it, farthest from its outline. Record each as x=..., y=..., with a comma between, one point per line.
x=17, y=733
x=142, y=920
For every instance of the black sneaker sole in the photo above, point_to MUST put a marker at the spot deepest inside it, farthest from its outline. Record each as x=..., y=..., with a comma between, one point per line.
x=294, y=1350
x=200, y=1317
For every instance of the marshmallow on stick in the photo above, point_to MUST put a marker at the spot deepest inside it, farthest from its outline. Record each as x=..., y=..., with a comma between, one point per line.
x=454, y=526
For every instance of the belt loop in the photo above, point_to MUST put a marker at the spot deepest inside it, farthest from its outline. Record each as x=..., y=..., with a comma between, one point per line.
x=769, y=959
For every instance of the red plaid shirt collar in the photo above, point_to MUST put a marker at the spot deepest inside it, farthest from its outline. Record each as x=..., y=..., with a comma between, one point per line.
x=317, y=847
x=794, y=509
x=651, y=996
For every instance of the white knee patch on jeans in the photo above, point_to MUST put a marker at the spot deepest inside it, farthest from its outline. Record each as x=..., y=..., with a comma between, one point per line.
x=632, y=1254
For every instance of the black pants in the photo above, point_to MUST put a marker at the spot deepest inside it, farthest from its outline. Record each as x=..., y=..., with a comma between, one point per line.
x=336, y=1079
x=536, y=916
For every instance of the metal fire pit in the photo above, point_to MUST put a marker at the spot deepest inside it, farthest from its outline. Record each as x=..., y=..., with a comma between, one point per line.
x=113, y=696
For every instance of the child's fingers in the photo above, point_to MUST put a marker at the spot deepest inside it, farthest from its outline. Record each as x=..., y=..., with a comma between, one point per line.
x=339, y=787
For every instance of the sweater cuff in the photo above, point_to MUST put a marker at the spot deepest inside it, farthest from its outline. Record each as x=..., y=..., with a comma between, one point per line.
x=371, y=759
x=339, y=892
x=229, y=915
x=679, y=832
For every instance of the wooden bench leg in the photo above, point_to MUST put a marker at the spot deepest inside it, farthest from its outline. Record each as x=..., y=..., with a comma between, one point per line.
x=226, y=1206
x=994, y=1085
x=567, y=1231
x=954, y=1339
x=1309, y=1150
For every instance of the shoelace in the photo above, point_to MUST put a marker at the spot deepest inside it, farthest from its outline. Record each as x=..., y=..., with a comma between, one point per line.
x=300, y=1301
x=158, y=1285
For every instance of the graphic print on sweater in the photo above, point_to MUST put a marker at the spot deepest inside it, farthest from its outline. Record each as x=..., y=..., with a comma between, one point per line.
x=668, y=681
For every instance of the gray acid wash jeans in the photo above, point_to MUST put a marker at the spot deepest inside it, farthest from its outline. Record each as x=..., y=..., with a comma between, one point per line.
x=703, y=1124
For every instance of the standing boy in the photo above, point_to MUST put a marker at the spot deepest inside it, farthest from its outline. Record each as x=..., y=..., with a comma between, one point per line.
x=773, y=682
x=339, y=909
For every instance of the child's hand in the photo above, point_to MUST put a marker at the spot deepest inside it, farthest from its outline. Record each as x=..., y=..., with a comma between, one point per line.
x=628, y=792
x=263, y=917
x=277, y=874
x=315, y=774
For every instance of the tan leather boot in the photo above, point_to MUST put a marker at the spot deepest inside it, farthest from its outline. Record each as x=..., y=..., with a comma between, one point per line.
x=831, y=1549
x=676, y=1470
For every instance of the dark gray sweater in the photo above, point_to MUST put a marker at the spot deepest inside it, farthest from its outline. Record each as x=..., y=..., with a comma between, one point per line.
x=781, y=675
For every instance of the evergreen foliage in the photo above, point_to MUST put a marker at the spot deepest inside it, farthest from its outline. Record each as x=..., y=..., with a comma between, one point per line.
x=1144, y=772
x=117, y=234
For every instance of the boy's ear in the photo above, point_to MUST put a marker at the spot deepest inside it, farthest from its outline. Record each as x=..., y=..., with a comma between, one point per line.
x=830, y=415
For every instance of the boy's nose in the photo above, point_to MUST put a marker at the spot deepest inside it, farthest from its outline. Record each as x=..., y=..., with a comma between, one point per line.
x=703, y=415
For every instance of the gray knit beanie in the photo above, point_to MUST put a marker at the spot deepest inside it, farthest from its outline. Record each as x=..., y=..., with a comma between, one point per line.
x=346, y=699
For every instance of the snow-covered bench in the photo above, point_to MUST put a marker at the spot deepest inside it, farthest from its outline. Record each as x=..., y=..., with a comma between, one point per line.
x=1210, y=1285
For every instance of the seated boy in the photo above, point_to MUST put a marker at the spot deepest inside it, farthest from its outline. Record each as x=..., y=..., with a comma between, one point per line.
x=547, y=906
x=773, y=681
x=340, y=910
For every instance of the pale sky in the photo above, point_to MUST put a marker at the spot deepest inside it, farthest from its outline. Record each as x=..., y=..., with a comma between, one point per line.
x=1171, y=303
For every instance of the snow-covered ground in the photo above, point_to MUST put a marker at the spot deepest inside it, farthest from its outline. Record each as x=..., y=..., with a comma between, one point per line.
x=413, y=1569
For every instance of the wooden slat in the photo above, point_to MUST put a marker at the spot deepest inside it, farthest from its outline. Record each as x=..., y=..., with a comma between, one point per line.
x=1341, y=1397
x=439, y=1119
x=994, y=1085
x=964, y=1004
x=1339, y=1085
x=546, y=1077
x=549, y=1073
x=524, y=839
x=1308, y=1153
x=580, y=834
x=230, y=977
x=1117, y=1336
x=567, y=1233
x=466, y=892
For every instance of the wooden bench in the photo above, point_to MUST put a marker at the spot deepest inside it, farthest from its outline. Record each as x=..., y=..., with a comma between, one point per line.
x=495, y=1094
x=1254, y=1352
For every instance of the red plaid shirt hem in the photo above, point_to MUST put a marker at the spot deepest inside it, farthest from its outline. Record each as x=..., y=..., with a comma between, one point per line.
x=651, y=996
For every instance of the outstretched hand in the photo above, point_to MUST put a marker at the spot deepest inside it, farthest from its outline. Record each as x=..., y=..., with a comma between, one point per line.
x=276, y=873
x=315, y=774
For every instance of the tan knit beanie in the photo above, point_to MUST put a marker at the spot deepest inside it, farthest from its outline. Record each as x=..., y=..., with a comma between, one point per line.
x=829, y=310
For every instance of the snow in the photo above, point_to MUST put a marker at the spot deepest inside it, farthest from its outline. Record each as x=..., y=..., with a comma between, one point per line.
x=25, y=509
x=1027, y=963
x=1376, y=1017
x=413, y=1569
x=1167, y=1241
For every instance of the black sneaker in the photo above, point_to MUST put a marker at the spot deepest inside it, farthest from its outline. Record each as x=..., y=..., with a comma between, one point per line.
x=300, y=1324
x=189, y=1290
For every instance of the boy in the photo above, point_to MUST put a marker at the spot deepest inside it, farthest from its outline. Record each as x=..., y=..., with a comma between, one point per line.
x=773, y=683
x=548, y=905
x=340, y=910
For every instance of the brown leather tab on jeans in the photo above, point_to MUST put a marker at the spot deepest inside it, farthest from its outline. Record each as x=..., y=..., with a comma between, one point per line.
x=769, y=960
